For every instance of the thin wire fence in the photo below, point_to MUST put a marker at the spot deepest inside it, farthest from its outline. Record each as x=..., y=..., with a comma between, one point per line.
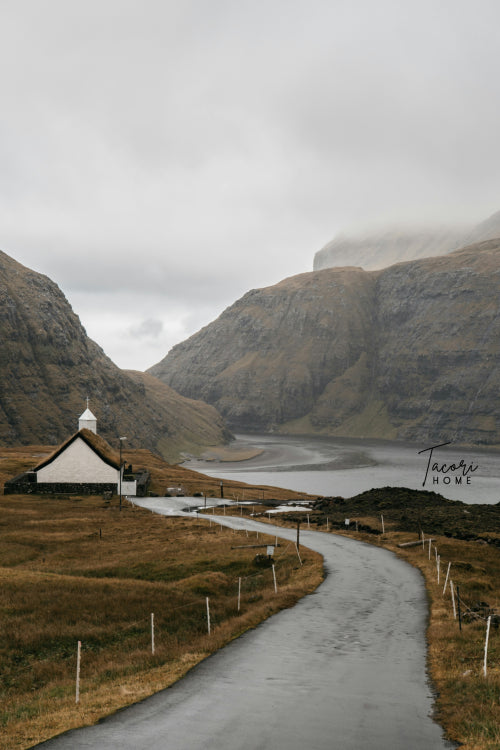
x=160, y=631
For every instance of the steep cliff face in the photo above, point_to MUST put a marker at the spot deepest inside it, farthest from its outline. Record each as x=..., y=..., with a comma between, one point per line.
x=48, y=366
x=268, y=358
x=408, y=352
x=438, y=329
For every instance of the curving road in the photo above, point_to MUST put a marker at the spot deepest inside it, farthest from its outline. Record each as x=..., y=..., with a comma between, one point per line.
x=343, y=670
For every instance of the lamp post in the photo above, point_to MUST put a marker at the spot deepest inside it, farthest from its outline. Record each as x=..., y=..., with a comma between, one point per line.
x=121, y=443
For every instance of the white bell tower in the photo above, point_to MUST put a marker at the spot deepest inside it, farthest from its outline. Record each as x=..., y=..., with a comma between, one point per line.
x=87, y=420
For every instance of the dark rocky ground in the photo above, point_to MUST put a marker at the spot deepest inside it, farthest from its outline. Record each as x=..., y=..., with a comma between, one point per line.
x=407, y=510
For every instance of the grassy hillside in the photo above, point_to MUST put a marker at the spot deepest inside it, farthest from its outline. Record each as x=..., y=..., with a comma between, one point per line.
x=49, y=366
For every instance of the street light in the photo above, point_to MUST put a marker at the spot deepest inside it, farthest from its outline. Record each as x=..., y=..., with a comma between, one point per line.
x=121, y=443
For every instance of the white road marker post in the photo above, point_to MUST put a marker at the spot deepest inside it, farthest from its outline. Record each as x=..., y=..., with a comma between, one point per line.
x=327, y=523
x=239, y=593
x=486, y=644
x=453, y=600
x=308, y=524
x=152, y=633
x=430, y=544
x=274, y=578
x=208, y=616
x=446, y=581
x=383, y=527
x=78, y=658
x=438, y=567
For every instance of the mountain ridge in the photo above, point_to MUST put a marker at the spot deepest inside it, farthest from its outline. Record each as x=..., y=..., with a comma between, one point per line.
x=409, y=352
x=49, y=367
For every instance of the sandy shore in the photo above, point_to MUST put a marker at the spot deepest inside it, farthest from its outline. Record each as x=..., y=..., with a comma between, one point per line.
x=224, y=453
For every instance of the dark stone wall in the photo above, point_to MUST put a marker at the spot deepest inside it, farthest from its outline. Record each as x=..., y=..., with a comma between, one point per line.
x=22, y=487
x=26, y=484
x=90, y=488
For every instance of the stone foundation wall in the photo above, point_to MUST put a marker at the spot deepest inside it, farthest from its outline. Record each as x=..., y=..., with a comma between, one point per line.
x=59, y=488
x=76, y=488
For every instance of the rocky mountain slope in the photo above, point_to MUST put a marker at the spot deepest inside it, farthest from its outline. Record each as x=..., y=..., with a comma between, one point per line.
x=381, y=249
x=48, y=367
x=410, y=352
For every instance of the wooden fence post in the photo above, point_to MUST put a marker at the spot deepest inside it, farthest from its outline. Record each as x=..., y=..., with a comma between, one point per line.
x=78, y=657
x=458, y=607
x=486, y=644
x=447, y=574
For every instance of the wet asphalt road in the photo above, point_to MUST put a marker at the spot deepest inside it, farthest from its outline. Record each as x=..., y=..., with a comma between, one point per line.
x=343, y=670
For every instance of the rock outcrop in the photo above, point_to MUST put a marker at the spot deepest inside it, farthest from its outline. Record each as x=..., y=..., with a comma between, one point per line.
x=410, y=352
x=48, y=367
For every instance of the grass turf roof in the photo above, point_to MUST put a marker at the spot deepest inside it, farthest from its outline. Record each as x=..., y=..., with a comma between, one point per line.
x=95, y=442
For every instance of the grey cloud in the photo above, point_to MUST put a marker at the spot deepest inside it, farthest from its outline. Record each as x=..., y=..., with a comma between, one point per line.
x=149, y=328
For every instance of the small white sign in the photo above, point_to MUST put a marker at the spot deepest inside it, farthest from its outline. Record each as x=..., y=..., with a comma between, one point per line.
x=270, y=550
x=347, y=521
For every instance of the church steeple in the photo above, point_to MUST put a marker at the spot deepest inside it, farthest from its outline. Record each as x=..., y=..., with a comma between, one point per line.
x=87, y=420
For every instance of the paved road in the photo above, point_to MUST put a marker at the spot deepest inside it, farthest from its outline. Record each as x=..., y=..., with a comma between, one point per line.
x=343, y=670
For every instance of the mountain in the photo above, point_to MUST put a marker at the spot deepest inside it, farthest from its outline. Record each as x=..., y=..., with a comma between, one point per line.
x=409, y=352
x=49, y=366
x=386, y=247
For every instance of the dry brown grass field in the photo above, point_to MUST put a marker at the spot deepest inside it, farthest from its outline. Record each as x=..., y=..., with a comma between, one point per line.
x=468, y=701
x=79, y=569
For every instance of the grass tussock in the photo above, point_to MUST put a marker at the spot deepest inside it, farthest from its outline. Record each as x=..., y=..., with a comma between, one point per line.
x=78, y=569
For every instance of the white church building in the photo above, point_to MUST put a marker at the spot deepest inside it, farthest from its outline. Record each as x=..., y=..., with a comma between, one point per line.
x=83, y=464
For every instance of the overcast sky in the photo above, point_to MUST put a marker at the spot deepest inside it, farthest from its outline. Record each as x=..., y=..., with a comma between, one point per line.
x=159, y=158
